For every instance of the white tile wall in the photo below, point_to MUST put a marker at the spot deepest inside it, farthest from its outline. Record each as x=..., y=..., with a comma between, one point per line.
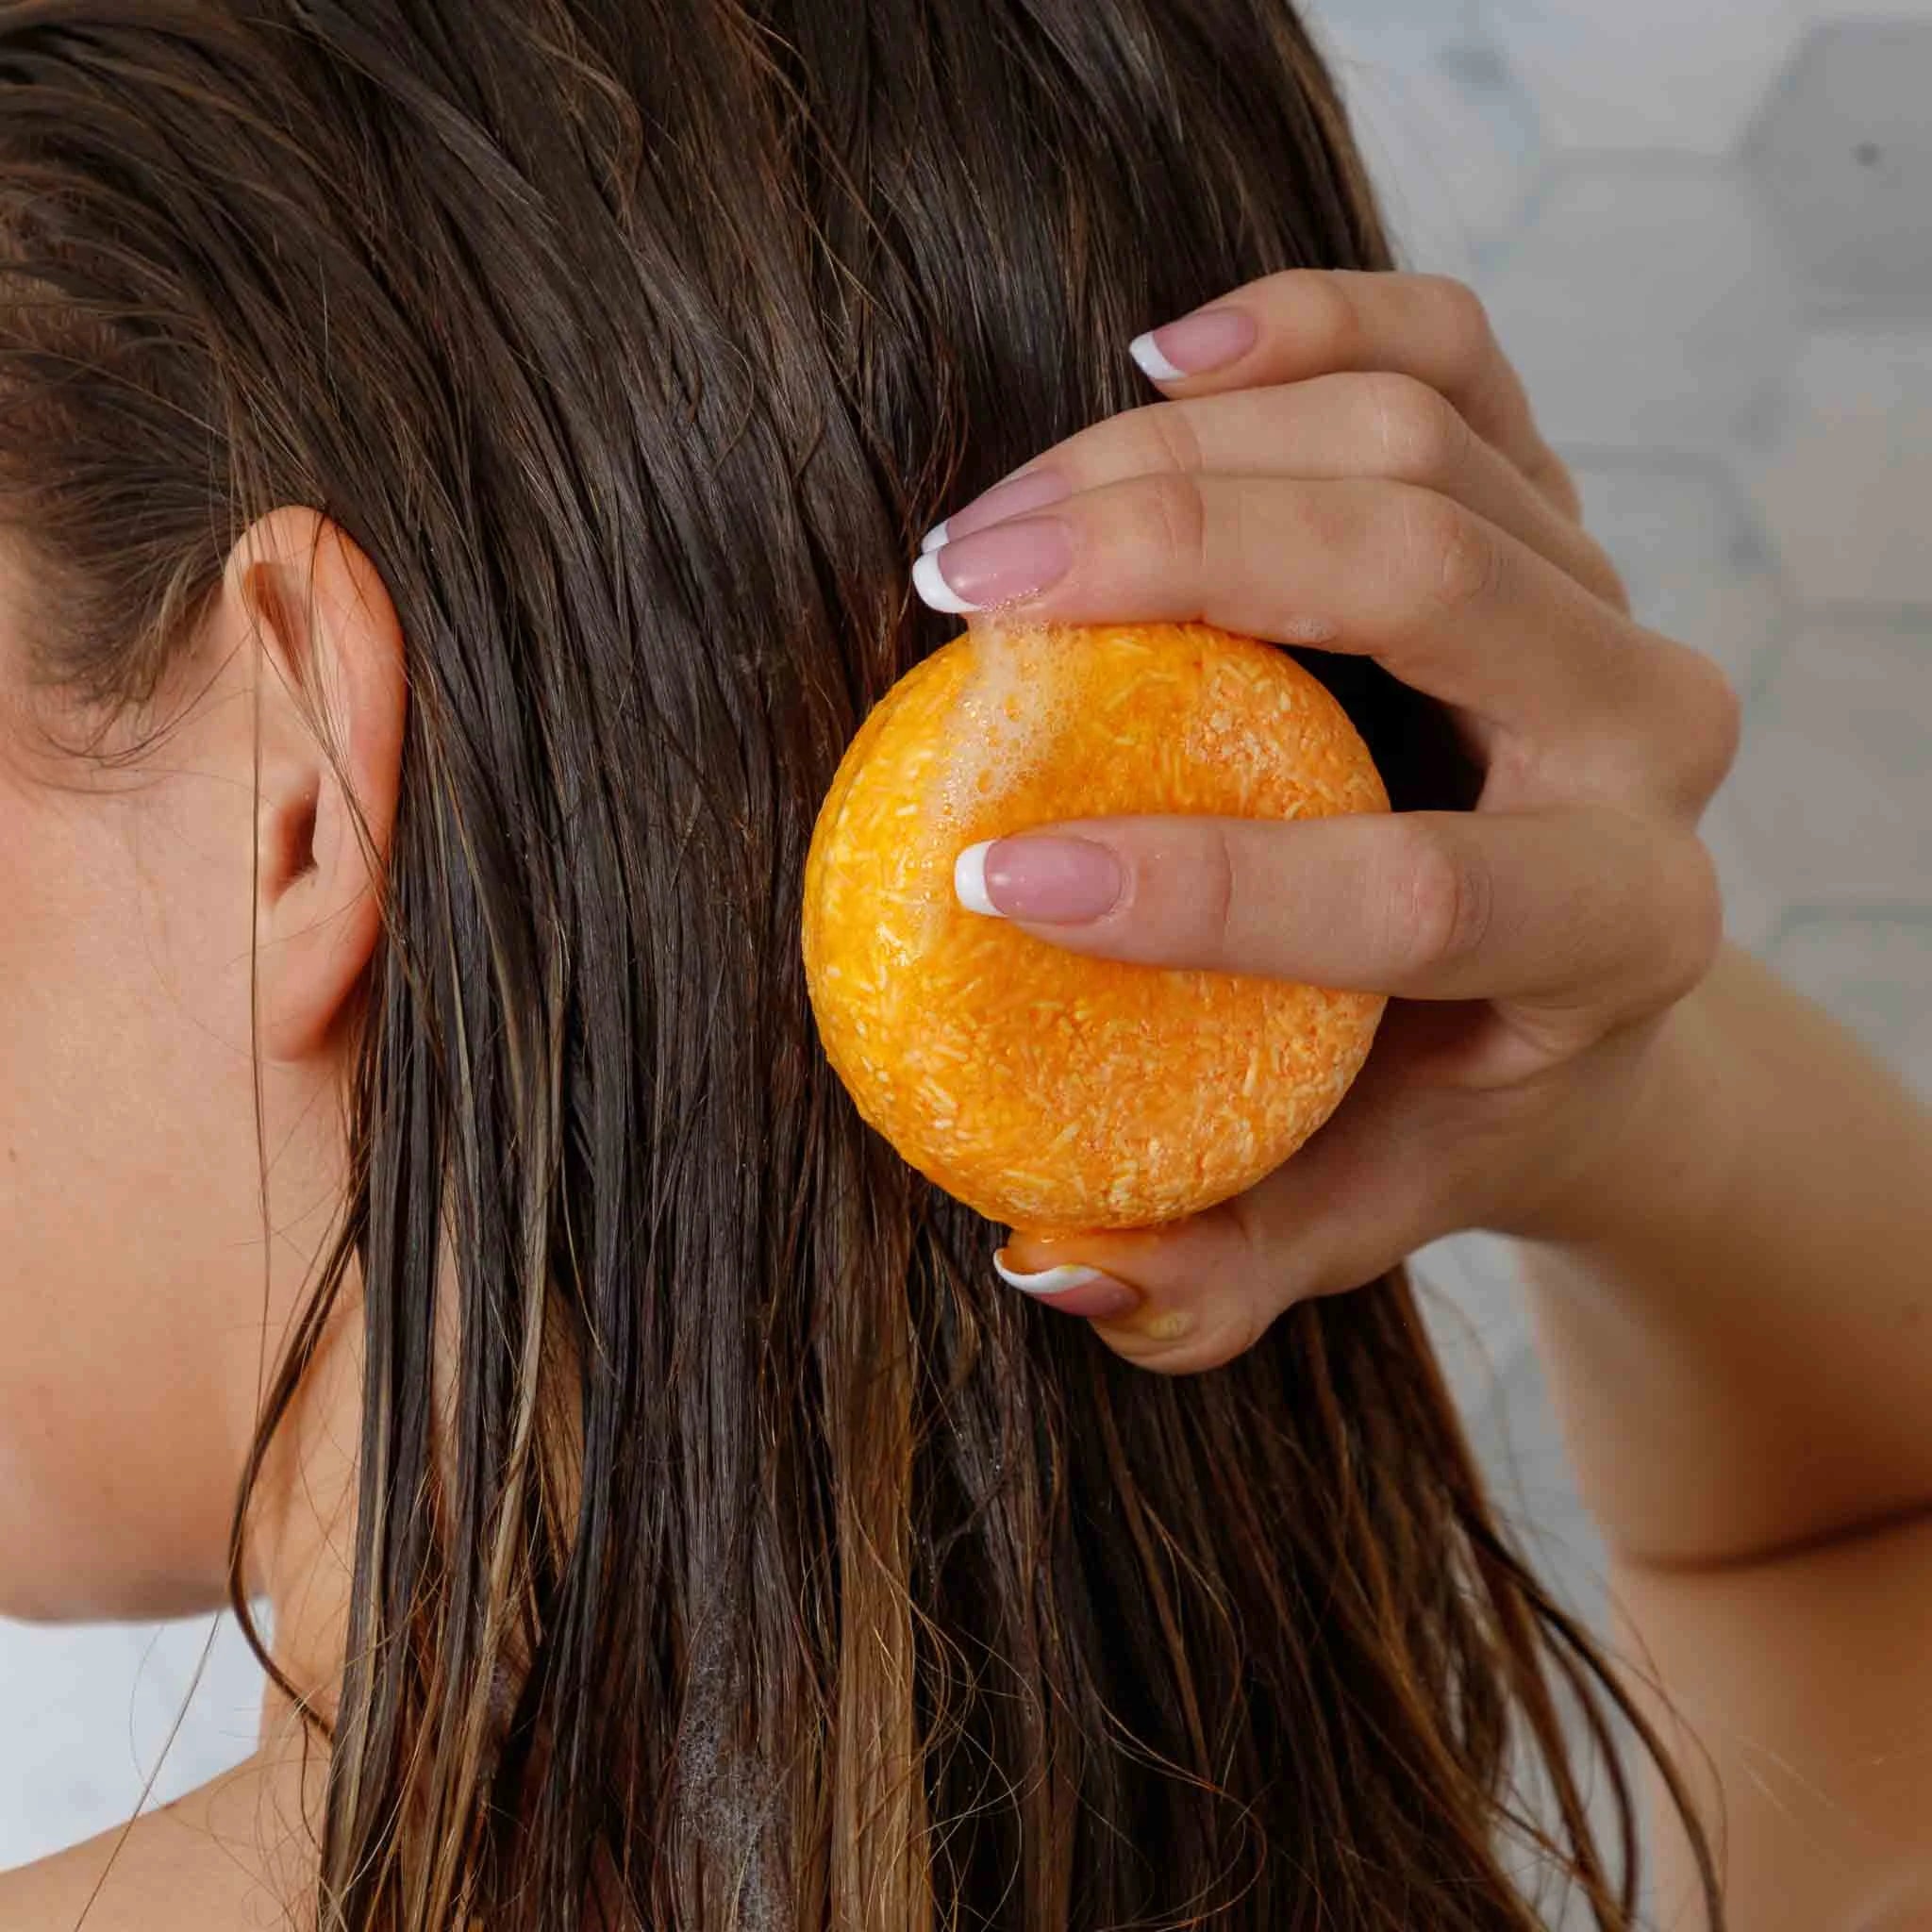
x=1648, y=303
x=1842, y=463
x=1721, y=296
x=1645, y=75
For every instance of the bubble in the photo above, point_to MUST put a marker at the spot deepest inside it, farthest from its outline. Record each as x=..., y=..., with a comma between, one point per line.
x=1005, y=721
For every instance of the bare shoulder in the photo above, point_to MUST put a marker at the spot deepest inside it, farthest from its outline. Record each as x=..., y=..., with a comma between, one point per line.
x=205, y=1863
x=1800, y=1694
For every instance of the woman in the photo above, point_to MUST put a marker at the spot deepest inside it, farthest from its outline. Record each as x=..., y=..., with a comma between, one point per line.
x=461, y=462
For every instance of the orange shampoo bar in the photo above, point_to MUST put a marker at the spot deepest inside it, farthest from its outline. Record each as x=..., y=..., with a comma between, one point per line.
x=1050, y=1091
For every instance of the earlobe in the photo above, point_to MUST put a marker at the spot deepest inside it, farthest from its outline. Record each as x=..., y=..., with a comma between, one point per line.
x=331, y=696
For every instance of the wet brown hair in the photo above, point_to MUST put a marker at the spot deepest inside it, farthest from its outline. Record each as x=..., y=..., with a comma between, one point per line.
x=778, y=1567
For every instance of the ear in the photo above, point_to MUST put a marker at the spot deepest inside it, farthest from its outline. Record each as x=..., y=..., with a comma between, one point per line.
x=329, y=655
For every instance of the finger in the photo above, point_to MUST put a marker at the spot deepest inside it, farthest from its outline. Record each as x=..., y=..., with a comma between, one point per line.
x=1577, y=909
x=1449, y=603
x=1324, y=322
x=1378, y=425
x=1355, y=1199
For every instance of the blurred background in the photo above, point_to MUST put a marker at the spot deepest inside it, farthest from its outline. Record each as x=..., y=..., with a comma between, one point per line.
x=1704, y=234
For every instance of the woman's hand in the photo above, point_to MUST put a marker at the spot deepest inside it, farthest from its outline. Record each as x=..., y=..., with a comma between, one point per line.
x=1361, y=470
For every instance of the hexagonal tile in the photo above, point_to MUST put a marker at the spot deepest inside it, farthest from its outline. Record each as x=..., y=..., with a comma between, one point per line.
x=1832, y=795
x=1449, y=136
x=1843, y=154
x=1648, y=307
x=1873, y=970
x=1697, y=563
x=1655, y=74
x=1847, y=473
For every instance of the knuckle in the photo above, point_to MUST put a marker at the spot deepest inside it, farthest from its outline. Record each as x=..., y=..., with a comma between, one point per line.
x=1217, y=892
x=1421, y=437
x=1173, y=442
x=1717, y=713
x=1185, y=893
x=1462, y=322
x=1598, y=570
x=1695, y=909
x=1450, y=556
x=1550, y=473
x=1699, y=724
x=1175, y=515
x=1443, y=894
x=1326, y=317
x=1467, y=560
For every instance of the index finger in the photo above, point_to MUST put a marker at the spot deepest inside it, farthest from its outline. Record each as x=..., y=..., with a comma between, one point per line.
x=1587, y=909
x=1303, y=323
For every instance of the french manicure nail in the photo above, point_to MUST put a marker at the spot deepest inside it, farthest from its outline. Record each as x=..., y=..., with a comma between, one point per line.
x=1064, y=881
x=1033, y=490
x=994, y=566
x=1195, y=344
x=1083, y=1291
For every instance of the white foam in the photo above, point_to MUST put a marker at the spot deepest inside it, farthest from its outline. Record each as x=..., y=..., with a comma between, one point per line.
x=1006, y=719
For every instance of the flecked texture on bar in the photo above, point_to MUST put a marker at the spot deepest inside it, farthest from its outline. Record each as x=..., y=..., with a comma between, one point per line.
x=1051, y=1091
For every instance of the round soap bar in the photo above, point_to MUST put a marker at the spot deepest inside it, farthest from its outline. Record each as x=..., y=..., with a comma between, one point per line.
x=1049, y=1090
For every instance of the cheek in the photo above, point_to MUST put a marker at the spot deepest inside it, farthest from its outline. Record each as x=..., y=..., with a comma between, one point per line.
x=120, y=1250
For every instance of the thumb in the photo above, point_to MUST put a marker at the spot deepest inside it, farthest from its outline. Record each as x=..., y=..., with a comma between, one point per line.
x=1354, y=1201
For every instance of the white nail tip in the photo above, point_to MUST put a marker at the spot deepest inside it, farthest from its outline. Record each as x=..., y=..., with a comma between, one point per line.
x=1152, y=362
x=934, y=589
x=934, y=538
x=1049, y=1281
x=968, y=880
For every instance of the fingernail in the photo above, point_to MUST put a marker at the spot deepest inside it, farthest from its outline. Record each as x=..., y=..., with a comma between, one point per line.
x=997, y=565
x=1083, y=1291
x=1012, y=498
x=1063, y=880
x=1195, y=344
